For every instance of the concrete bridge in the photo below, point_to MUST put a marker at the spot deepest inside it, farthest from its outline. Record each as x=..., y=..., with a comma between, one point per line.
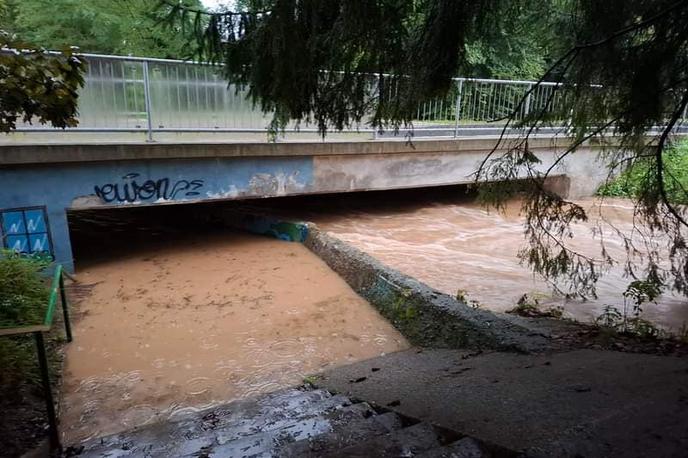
x=41, y=181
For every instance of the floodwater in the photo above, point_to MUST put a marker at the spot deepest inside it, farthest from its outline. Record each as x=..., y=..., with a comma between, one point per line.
x=184, y=321
x=178, y=320
x=451, y=243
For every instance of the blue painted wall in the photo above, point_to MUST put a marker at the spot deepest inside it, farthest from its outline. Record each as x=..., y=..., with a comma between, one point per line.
x=107, y=184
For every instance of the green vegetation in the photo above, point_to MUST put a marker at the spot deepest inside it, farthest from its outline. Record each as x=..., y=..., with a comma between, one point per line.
x=35, y=86
x=414, y=46
x=633, y=181
x=24, y=296
x=462, y=296
x=630, y=321
x=311, y=380
x=24, y=292
x=529, y=306
x=128, y=27
x=520, y=43
x=614, y=321
x=19, y=361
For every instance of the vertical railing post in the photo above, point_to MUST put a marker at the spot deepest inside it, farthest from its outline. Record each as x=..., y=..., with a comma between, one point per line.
x=147, y=100
x=376, y=89
x=457, y=109
x=65, y=309
x=526, y=108
x=48, y=393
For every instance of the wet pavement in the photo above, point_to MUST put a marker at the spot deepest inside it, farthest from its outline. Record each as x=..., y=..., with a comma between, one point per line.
x=580, y=403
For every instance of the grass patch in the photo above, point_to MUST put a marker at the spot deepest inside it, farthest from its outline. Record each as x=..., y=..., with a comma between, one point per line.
x=24, y=294
x=634, y=180
x=462, y=296
x=311, y=380
x=529, y=306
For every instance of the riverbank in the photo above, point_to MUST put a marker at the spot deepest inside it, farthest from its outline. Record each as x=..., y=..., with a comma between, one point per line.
x=447, y=240
x=460, y=247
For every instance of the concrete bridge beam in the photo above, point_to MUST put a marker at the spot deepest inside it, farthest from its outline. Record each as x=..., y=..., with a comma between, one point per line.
x=40, y=182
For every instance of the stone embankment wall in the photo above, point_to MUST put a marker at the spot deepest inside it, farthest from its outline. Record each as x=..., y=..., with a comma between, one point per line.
x=425, y=316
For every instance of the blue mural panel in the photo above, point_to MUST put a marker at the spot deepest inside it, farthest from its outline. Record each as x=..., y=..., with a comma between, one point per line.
x=18, y=243
x=35, y=221
x=25, y=230
x=13, y=222
x=39, y=243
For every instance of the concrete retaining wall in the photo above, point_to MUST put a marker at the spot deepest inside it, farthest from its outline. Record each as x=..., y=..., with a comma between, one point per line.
x=425, y=316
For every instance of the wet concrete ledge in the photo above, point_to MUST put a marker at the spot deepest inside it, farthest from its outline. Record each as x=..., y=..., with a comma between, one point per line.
x=426, y=317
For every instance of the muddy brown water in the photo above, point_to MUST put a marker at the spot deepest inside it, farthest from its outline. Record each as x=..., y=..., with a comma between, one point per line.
x=451, y=243
x=187, y=322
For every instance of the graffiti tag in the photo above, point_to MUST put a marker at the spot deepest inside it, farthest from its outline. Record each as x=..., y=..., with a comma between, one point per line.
x=131, y=190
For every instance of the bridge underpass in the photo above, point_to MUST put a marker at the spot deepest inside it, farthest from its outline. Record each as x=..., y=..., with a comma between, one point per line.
x=42, y=181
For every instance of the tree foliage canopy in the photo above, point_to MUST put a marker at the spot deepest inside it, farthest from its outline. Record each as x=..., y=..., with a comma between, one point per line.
x=313, y=61
x=337, y=64
x=40, y=87
x=36, y=86
x=622, y=66
x=626, y=73
x=128, y=27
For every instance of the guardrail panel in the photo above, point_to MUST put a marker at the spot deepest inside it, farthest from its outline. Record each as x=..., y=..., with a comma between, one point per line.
x=187, y=96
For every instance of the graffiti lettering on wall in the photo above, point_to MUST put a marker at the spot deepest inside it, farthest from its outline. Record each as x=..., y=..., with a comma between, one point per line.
x=130, y=190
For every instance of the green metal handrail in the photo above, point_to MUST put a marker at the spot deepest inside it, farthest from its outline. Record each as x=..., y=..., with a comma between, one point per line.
x=53, y=296
x=57, y=286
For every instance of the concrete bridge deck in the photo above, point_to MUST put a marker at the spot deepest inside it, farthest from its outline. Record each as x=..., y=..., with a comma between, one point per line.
x=41, y=181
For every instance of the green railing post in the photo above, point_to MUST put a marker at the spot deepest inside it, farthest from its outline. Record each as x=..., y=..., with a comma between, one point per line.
x=45, y=379
x=65, y=308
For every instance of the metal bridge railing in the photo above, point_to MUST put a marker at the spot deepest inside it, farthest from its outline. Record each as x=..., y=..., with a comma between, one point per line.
x=158, y=95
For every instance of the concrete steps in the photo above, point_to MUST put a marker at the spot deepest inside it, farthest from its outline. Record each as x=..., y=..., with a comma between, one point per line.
x=463, y=448
x=288, y=424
